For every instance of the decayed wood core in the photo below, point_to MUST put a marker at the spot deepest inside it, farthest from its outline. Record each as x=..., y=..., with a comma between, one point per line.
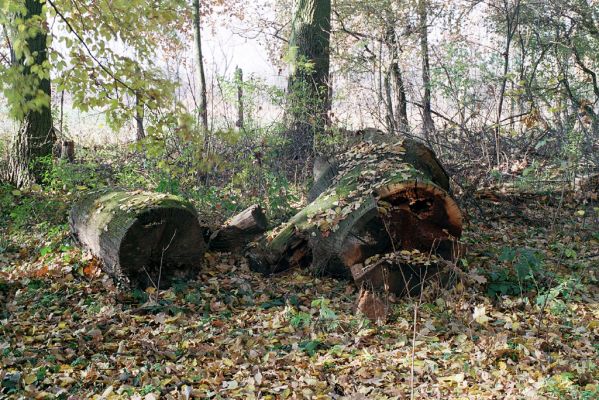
x=410, y=216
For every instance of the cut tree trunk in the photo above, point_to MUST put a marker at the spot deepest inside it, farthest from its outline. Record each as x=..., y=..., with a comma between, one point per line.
x=239, y=230
x=384, y=195
x=67, y=150
x=143, y=239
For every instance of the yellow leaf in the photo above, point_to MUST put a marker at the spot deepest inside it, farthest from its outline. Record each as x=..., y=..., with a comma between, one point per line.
x=29, y=379
x=480, y=315
x=457, y=378
x=66, y=381
x=66, y=368
x=594, y=324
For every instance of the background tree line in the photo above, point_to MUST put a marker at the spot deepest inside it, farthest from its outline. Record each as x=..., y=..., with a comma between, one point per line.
x=483, y=82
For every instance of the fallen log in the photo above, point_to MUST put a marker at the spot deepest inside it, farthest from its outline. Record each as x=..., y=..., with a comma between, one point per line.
x=143, y=239
x=239, y=230
x=381, y=196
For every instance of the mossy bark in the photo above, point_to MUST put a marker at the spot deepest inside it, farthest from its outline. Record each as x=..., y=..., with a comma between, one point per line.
x=387, y=195
x=143, y=239
x=35, y=137
x=308, y=85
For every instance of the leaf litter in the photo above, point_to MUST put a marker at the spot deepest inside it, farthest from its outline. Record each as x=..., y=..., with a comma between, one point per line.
x=66, y=331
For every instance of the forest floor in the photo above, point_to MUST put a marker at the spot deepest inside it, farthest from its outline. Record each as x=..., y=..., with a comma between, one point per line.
x=522, y=320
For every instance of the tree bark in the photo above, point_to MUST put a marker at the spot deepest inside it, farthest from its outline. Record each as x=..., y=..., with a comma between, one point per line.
x=309, y=83
x=387, y=196
x=139, y=117
x=201, y=76
x=511, y=21
x=239, y=83
x=35, y=137
x=67, y=150
x=399, y=117
x=239, y=230
x=428, y=125
x=143, y=239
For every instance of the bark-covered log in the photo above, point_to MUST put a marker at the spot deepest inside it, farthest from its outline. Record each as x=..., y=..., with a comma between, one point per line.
x=239, y=230
x=143, y=239
x=388, y=195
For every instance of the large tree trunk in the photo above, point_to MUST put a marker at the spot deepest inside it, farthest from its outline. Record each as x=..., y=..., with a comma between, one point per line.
x=201, y=76
x=309, y=79
x=143, y=239
x=383, y=195
x=35, y=137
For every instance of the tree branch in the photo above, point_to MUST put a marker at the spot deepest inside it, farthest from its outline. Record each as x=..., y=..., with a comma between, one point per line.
x=91, y=54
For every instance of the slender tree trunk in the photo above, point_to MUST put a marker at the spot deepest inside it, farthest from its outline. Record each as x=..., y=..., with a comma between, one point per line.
x=390, y=119
x=401, y=101
x=201, y=78
x=400, y=120
x=309, y=79
x=428, y=125
x=139, y=117
x=239, y=84
x=511, y=18
x=35, y=136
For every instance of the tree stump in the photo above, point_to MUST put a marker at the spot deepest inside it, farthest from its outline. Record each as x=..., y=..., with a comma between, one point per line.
x=143, y=239
x=67, y=150
x=239, y=230
x=384, y=195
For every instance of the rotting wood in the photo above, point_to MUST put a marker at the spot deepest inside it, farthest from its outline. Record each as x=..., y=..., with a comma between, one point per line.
x=239, y=230
x=386, y=195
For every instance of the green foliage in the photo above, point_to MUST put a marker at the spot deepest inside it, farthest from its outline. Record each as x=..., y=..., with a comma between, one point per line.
x=462, y=73
x=565, y=386
x=139, y=296
x=21, y=81
x=516, y=274
x=279, y=196
x=326, y=319
x=556, y=299
x=98, y=74
x=301, y=320
x=62, y=175
x=168, y=185
x=312, y=346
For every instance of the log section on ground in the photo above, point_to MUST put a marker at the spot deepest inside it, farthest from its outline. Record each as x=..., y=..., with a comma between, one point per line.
x=143, y=239
x=386, y=196
x=239, y=230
